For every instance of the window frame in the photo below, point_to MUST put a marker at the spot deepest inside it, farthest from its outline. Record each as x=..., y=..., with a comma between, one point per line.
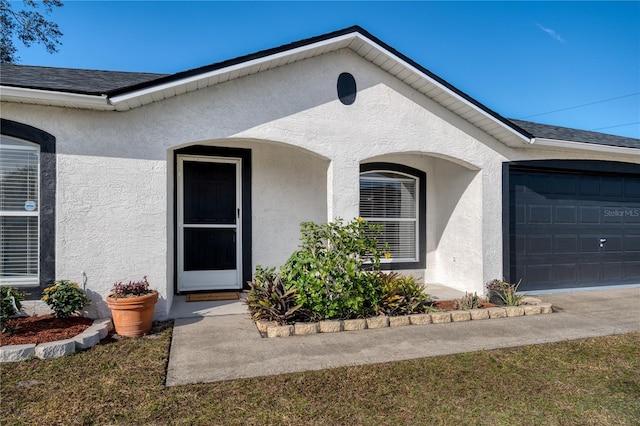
x=28, y=280
x=421, y=183
x=47, y=194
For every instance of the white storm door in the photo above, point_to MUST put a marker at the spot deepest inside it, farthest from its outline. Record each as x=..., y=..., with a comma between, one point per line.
x=209, y=218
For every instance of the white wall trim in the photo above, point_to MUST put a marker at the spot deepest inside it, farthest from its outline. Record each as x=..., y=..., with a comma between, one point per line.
x=583, y=146
x=47, y=97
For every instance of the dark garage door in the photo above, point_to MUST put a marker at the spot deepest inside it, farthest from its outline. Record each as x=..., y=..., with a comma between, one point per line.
x=573, y=229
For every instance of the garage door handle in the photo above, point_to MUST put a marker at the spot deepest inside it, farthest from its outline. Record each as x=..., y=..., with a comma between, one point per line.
x=602, y=241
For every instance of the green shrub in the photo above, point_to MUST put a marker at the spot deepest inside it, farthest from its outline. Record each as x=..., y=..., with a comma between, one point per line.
x=65, y=298
x=10, y=305
x=271, y=299
x=401, y=295
x=335, y=269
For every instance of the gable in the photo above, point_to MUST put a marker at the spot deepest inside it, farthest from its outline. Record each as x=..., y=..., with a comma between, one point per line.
x=115, y=91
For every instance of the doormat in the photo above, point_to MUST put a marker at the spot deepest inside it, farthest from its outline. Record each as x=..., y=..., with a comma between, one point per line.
x=207, y=297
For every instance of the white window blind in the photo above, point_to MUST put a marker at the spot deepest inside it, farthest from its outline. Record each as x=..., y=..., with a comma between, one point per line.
x=19, y=212
x=390, y=199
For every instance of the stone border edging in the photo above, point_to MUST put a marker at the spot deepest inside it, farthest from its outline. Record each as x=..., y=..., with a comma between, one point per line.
x=85, y=340
x=532, y=306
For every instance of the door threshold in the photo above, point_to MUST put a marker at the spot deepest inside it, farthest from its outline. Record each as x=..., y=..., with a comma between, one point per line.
x=207, y=297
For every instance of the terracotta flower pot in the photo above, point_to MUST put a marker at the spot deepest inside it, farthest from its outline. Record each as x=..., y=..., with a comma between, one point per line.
x=132, y=316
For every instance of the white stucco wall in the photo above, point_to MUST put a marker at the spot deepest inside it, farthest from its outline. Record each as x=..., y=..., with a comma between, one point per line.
x=115, y=173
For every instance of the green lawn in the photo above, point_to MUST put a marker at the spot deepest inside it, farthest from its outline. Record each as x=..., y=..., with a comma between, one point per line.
x=594, y=381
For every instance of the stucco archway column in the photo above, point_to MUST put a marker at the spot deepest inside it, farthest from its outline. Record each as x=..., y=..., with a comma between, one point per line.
x=492, y=221
x=343, y=189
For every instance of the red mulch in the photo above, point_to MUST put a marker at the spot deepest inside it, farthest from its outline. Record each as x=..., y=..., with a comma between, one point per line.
x=42, y=329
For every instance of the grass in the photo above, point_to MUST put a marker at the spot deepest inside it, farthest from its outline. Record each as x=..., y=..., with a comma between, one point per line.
x=593, y=381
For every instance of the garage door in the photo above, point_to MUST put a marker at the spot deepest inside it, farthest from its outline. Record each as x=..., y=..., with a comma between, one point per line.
x=573, y=229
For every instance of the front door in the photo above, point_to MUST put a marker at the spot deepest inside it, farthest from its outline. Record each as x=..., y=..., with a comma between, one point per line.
x=209, y=223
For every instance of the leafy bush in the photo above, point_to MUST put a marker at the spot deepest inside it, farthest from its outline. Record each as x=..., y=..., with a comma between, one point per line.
x=131, y=289
x=504, y=293
x=401, y=295
x=65, y=298
x=271, y=299
x=10, y=299
x=335, y=269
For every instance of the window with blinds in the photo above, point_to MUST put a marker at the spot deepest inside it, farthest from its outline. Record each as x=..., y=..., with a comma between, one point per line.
x=19, y=212
x=390, y=199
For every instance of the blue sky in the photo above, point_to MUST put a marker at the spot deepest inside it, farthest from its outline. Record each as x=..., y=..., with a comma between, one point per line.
x=522, y=59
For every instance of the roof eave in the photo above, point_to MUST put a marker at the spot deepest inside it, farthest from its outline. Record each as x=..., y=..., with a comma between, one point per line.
x=583, y=146
x=53, y=98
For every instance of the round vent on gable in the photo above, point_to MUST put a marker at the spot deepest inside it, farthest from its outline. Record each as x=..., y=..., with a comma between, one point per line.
x=346, y=88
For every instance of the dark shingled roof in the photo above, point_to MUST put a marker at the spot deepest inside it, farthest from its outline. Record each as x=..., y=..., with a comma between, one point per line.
x=546, y=131
x=87, y=82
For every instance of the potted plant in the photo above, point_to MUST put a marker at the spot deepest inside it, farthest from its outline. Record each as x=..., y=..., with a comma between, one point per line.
x=132, y=305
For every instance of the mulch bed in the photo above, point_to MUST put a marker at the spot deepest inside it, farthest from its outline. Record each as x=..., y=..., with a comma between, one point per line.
x=42, y=329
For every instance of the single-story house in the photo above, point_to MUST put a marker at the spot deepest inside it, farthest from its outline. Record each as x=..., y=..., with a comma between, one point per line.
x=193, y=179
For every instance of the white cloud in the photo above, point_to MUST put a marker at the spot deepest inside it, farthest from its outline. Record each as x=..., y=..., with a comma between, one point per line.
x=552, y=33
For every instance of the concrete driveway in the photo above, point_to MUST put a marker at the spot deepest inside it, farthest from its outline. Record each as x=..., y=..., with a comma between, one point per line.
x=215, y=348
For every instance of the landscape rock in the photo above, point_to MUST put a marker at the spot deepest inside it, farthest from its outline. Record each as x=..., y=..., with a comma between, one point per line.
x=399, y=321
x=280, y=331
x=305, y=328
x=354, y=324
x=17, y=352
x=330, y=326
x=88, y=338
x=545, y=308
x=479, y=314
x=531, y=309
x=378, y=322
x=264, y=325
x=440, y=317
x=458, y=316
x=514, y=311
x=420, y=319
x=497, y=313
x=55, y=349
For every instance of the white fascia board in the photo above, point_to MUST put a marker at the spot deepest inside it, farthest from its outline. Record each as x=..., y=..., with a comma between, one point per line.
x=442, y=87
x=583, y=146
x=47, y=97
x=115, y=100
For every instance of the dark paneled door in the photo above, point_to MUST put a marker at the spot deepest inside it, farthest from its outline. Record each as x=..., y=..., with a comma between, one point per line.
x=209, y=218
x=573, y=229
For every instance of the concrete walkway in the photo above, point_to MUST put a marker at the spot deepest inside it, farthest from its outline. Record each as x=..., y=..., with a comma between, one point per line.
x=215, y=348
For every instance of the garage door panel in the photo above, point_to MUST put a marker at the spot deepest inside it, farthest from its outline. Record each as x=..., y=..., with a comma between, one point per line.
x=590, y=244
x=539, y=273
x=612, y=187
x=566, y=244
x=589, y=272
x=632, y=244
x=565, y=184
x=632, y=188
x=612, y=271
x=539, y=215
x=589, y=186
x=540, y=245
x=632, y=270
x=566, y=215
x=557, y=222
x=613, y=245
x=589, y=215
x=565, y=272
